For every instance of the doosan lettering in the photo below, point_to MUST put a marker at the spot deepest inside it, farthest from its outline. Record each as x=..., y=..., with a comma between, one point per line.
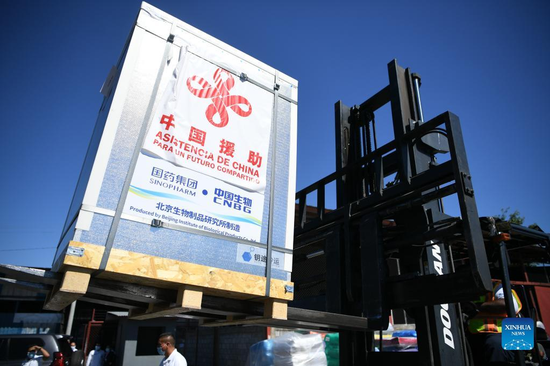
x=443, y=313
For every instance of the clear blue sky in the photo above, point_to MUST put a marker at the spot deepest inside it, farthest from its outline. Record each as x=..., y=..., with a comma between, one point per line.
x=486, y=61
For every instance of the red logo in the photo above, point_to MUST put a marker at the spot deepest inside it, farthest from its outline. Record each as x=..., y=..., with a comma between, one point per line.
x=220, y=97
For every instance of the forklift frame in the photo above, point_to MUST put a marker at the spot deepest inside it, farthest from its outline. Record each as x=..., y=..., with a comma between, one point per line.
x=403, y=219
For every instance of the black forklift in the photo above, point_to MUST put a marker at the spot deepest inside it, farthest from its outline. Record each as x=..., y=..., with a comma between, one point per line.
x=387, y=246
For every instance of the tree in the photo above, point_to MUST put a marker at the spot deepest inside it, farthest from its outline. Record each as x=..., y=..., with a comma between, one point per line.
x=514, y=218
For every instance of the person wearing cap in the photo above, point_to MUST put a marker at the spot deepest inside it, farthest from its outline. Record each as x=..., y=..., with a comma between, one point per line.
x=541, y=336
x=541, y=331
x=486, y=328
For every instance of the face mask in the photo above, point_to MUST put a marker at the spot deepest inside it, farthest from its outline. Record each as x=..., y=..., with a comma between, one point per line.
x=30, y=355
x=107, y=349
x=97, y=348
x=160, y=351
x=73, y=348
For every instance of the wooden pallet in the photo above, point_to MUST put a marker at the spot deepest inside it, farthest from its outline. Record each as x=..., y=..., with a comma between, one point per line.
x=214, y=312
x=191, y=280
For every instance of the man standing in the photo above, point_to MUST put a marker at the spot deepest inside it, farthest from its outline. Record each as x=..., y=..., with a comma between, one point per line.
x=110, y=356
x=96, y=357
x=33, y=358
x=486, y=329
x=166, y=347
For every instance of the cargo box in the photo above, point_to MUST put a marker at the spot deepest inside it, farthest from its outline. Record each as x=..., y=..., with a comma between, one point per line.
x=189, y=179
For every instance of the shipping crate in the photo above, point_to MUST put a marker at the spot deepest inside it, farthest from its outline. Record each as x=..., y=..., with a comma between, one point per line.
x=189, y=179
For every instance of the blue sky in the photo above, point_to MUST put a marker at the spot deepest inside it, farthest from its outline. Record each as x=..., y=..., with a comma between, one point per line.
x=486, y=61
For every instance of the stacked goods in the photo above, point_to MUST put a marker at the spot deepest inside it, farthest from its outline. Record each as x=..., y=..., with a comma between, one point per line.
x=332, y=349
x=178, y=188
x=293, y=349
x=261, y=354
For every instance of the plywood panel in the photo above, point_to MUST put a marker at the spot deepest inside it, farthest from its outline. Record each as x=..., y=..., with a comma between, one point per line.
x=164, y=272
x=90, y=255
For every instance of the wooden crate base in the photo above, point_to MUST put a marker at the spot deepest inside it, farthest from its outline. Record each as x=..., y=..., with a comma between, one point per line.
x=191, y=280
x=73, y=285
x=189, y=299
x=274, y=310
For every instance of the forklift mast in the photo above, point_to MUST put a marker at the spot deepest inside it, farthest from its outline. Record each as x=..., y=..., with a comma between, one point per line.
x=388, y=244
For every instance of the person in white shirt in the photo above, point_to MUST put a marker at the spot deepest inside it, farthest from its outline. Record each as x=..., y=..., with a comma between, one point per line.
x=33, y=358
x=96, y=356
x=166, y=347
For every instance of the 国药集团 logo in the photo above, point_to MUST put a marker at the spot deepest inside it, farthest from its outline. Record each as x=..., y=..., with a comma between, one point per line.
x=220, y=97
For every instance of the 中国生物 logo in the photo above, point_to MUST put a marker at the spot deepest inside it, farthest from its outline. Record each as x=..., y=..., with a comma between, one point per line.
x=220, y=97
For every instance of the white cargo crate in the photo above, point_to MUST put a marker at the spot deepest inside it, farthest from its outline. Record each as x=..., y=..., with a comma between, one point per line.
x=189, y=179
